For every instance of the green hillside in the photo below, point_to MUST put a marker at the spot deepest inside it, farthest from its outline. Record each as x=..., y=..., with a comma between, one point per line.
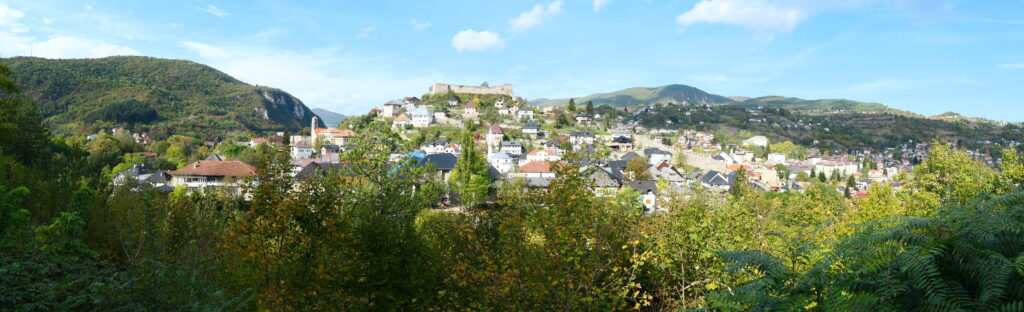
x=161, y=96
x=642, y=96
x=821, y=106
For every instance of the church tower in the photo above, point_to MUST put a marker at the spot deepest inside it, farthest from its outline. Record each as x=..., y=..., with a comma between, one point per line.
x=312, y=129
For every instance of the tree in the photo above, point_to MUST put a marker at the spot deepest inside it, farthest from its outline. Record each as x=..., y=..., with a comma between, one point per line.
x=1012, y=175
x=636, y=169
x=952, y=174
x=590, y=107
x=957, y=260
x=470, y=176
x=739, y=186
x=287, y=139
x=572, y=105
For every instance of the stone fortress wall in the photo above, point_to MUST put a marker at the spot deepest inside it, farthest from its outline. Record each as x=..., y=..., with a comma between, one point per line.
x=442, y=88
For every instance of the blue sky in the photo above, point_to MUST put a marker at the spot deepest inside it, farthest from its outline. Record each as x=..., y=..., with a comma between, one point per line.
x=926, y=56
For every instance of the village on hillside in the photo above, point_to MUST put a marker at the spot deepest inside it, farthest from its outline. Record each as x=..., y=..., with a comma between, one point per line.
x=523, y=144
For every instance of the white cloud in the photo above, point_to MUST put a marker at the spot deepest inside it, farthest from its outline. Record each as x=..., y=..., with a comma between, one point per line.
x=47, y=20
x=1012, y=66
x=365, y=32
x=9, y=19
x=322, y=77
x=73, y=47
x=600, y=4
x=535, y=17
x=206, y=51
x=476, y=41
x=757, y=14
x=212, y=9
x=419, y=26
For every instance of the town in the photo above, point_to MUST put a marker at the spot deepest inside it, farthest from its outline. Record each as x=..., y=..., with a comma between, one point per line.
x=523, y=144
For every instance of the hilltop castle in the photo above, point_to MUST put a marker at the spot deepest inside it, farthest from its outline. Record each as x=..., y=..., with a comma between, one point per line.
x=442, y=88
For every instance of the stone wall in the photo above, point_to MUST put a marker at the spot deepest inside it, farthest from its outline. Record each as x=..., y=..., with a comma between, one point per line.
x=442, y=88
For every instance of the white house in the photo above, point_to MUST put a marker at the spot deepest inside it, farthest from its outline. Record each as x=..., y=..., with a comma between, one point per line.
x=421, y=117
x=657, y=156
x=531, y=128
x=844, y=168
x=502, y=162
x=581, y=137
x=441, y=147
x=776, y=158
x=400, y=122
x=302, y=150
x=470, y=111
x=534, y=169
x=525, y=112
x=204, y=174
x=543, y=155
x=512, y=148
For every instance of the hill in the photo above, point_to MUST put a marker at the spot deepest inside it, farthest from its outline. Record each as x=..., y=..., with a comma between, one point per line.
x=161, y=96
x=682, y=94
x=329, y=118
x=817, y=107
x=679, y=94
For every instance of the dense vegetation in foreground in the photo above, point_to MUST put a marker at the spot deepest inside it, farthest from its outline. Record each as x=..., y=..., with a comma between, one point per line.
x=367, y=238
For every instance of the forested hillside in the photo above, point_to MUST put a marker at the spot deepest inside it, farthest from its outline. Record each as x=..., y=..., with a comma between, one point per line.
x=160, y=96
x=841, y=130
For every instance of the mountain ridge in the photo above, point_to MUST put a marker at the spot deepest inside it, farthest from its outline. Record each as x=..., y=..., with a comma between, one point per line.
x=691, y=95
x=161, y=96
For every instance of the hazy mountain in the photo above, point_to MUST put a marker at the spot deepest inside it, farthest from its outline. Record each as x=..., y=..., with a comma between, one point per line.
x=331, y=119
x=642, y=96
x=161, y=96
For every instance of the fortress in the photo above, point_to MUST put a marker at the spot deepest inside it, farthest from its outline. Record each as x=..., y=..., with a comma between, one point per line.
x=442, y=88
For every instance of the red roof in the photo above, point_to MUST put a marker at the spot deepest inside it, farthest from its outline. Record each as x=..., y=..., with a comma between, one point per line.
x=470, y=105
x=258, y=140
x=347, y=133
x=231, y=168
x=537, y=166
x=496, y=129
x=328, y=130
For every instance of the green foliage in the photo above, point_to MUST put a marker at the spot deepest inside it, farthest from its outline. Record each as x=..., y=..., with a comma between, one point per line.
x=470, y=177
x=13, y=219
x=161, y=96
x=636, y=169
x=953, y=175
x=962, y=259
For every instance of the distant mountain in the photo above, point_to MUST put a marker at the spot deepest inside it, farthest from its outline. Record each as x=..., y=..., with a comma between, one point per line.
x=331, y=119
x=161, y=96
x=682, y=94
x=678, y=94
x=820, y=106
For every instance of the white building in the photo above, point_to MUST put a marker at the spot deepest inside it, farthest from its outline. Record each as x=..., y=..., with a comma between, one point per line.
x=421, y=117
x=543, y=155
x=302, y=150
x=205, y=174
x=502, y=162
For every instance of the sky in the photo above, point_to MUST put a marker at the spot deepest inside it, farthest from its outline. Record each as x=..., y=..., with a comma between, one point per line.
x=925, y=56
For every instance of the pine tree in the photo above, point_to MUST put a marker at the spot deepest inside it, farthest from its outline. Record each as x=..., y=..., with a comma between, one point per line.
x=572, y=105
x=739, y=185
x=470, y=176
x=590, y=107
